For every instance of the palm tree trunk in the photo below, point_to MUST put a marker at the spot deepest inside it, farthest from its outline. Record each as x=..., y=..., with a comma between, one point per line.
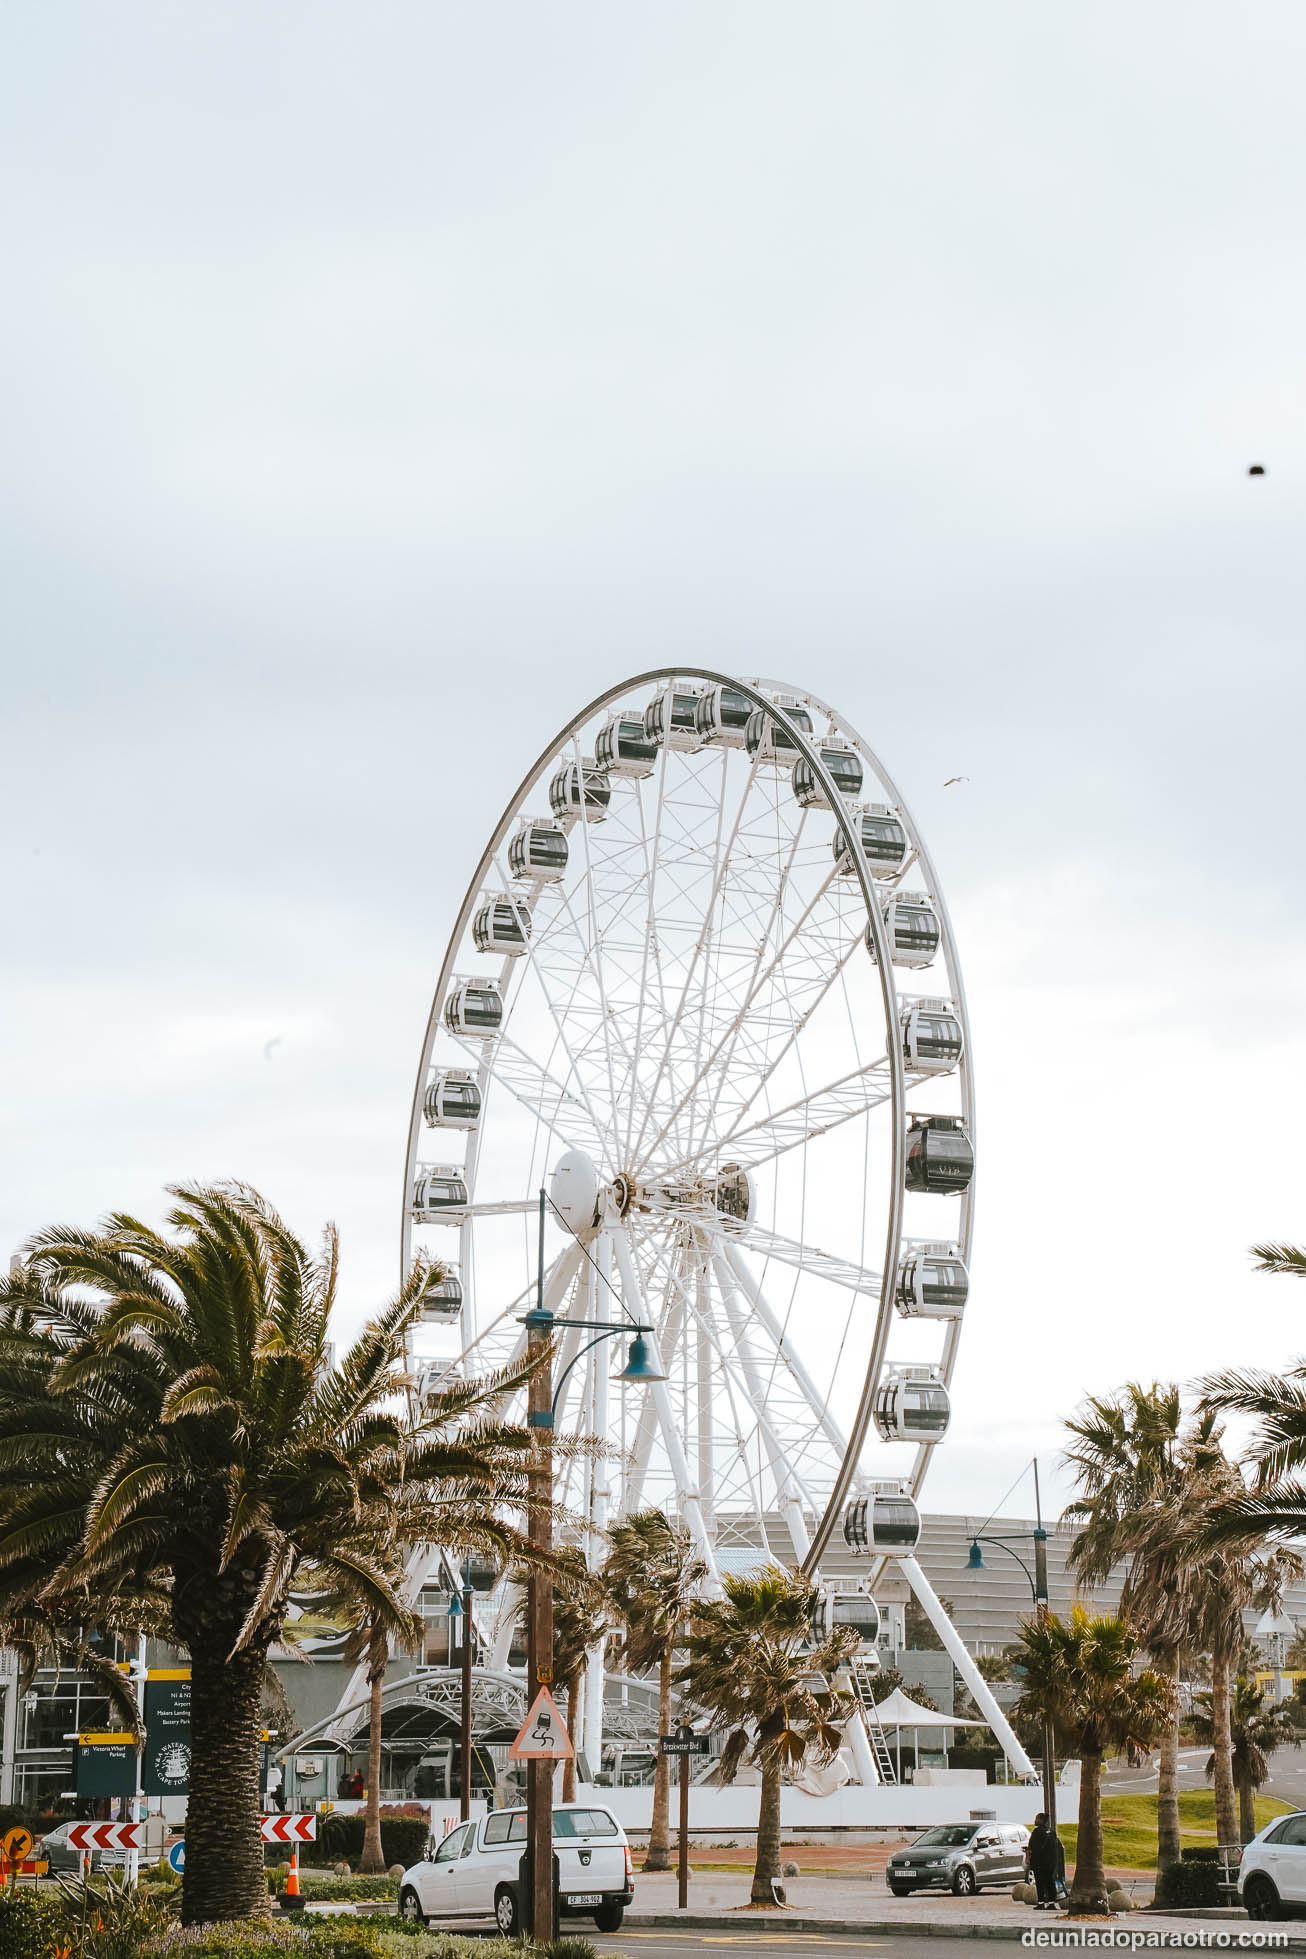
x=659, y=1836
x=1088, y=1892
x=1246, y=1809
x=1167, y=1795
x=373, y=1857
x=225, y=1875
x=767, y=1867
x=1226, y=1808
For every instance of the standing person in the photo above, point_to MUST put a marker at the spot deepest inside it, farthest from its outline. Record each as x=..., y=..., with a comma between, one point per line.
x=1042, y=1858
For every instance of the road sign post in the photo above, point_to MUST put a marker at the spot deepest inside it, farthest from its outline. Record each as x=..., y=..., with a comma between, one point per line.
x=683, y=1743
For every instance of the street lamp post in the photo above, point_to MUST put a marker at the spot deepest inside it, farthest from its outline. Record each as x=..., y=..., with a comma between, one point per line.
x=462, y=1611
x=1037, y=1581
x=541, y=1407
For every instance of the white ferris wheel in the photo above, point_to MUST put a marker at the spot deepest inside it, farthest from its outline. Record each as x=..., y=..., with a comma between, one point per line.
x=704, y=992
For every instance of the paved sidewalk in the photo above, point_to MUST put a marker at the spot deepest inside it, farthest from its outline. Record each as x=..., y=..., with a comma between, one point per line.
x=851, y=1905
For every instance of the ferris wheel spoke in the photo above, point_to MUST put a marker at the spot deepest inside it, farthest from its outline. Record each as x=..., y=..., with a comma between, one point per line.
x=721, y=848
x=827, y=956
x=567, y=1116
x=805, y=1119
x=808, y=1258
x=755, y=1015
x=652, y=955
x=568, y=954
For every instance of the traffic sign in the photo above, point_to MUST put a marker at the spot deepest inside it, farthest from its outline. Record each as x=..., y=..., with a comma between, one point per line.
x=17, y=1844
x=177, y=1857
x=289, y=1829
x=105, y=1836
x=684, y=1743
x=105, y=1764
x=542, y=1736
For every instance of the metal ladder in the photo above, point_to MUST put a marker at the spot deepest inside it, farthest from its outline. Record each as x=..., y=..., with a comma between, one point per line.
x=875, y=1734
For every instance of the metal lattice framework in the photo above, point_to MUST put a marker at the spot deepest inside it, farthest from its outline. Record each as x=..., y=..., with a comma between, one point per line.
x=701, y=1013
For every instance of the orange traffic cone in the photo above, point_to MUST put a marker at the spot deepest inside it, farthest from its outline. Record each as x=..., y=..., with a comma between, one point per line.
x=291, y=1900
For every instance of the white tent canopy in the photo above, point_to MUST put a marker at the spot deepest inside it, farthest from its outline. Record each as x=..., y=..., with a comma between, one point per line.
x=898, y=1710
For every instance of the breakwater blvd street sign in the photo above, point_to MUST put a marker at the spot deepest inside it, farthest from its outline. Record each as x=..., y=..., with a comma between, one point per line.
x=289, y=1829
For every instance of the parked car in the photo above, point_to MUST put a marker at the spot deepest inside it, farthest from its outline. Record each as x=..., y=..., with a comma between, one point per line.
x=475, y=1872
x=61, y=1855
x=1272, y=1871
x=960, y=1857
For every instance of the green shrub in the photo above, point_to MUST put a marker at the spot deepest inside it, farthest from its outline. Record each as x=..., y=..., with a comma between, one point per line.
x=27, y=1923
x=268, y=1939
x=403, y=1840
x=1194, y=1880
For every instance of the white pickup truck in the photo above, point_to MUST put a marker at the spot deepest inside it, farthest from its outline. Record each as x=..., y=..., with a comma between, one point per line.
x=476, y=1871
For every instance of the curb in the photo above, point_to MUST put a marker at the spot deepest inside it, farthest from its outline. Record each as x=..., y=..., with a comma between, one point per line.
x=797, y=1922
x=896, y=1927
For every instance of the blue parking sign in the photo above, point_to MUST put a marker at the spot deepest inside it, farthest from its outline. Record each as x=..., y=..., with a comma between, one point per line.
x=177, y=1857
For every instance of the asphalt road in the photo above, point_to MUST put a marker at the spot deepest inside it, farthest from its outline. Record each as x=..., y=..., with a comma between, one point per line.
x=657, y=1944
x=1287, y=1776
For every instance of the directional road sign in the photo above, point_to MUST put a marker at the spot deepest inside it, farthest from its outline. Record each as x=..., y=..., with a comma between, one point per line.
x=542, y=1737
x=177, y=1857
x=685, y=1743
x=105, y=1836
x=289, y=1829
x=17, y=1844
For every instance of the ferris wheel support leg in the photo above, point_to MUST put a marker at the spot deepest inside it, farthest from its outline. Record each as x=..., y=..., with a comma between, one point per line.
x=859, y=1747
x=668, y=1337
x=503, y=1626
x=686, y=1494
x=966, y=1667
x=706, y=1424
x=815, y=1399
x=790, y=1500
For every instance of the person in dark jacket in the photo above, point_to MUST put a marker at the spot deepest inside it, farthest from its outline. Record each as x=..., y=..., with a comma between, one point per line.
x=1043, y=1861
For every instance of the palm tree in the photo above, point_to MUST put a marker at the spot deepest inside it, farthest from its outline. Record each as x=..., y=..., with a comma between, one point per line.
x=1257, y=1727
x=652, y=1574
x=1132, y=1456
x=1079, y=1674
x=753, y=1667
x=1275, y=1503
x=172, y=1439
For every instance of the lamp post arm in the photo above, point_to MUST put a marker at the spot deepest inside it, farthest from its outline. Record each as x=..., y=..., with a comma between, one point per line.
x=1029, y=1576
x=579, y=1355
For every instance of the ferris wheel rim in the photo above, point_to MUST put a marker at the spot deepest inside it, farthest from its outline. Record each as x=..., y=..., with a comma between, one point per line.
x=762, y=694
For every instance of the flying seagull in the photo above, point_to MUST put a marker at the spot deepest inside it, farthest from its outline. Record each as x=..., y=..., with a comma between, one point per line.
x=955, y=778
x=269, y=1045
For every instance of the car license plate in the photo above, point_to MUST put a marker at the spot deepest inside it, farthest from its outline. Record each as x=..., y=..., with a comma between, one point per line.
x=585, y=1898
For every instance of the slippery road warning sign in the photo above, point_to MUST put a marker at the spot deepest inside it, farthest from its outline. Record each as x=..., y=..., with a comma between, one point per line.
x=542, y=1737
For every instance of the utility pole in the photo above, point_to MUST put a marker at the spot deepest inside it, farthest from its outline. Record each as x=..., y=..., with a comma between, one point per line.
x=539, y=1659
x=465, y=1737
x=1041, y=1613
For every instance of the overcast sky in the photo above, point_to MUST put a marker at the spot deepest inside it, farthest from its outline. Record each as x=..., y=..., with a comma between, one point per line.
x=382, y=380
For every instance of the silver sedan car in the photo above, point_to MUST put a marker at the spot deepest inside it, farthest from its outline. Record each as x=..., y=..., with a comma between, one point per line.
x=959, y=1857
